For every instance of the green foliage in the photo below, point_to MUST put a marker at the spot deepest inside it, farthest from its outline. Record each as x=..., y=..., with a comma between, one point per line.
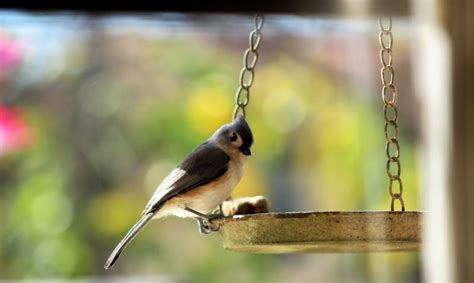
x=97, y=159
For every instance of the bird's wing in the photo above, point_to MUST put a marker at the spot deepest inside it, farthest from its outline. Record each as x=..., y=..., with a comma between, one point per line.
x=205, y=164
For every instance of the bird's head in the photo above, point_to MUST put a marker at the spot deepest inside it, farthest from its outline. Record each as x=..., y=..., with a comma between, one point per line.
x=235, y=136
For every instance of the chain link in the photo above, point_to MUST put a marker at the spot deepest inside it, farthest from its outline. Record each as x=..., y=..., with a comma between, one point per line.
x=247, y=74
x=390, y=97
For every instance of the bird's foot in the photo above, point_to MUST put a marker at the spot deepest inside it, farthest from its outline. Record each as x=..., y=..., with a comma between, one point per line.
x=205, y=221
x=218, y=211
x=205, y=226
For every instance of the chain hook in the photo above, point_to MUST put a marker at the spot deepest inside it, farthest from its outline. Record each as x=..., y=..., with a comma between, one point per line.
x=247, y=74
x=389, y=97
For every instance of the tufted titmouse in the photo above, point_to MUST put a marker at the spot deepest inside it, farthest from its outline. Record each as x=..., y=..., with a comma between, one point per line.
x=200, y=183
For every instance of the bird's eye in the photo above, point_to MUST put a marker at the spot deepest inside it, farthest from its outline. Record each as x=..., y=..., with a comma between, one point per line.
x=233, y=137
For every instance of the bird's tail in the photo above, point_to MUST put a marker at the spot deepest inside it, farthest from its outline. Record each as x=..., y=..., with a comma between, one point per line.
x=127, y=239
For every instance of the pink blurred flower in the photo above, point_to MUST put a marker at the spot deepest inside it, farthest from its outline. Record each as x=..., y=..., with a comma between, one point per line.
x=10, y=55
x=15, y=134
x=10, y=52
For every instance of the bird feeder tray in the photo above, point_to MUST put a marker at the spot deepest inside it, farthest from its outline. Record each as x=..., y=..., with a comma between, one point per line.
x=332, y=232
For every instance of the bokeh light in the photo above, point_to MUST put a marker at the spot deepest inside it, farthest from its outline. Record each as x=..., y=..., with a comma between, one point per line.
x=99, y=110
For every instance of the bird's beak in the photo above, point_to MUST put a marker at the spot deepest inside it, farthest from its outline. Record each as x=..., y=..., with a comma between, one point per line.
x=246, y=151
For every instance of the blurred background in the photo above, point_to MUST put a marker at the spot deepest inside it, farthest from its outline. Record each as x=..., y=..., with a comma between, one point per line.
x=95, y=111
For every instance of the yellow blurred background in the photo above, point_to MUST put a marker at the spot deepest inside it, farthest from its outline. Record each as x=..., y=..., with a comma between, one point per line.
x=105, y=107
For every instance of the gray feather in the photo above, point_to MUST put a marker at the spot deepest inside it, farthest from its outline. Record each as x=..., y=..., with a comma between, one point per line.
x=127, y=239
x=205, y=164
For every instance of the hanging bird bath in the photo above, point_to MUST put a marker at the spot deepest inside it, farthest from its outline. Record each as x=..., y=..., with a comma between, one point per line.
x=365, y=231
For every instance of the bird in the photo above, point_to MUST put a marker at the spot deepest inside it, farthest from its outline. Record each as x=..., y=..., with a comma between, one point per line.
x=200, y=183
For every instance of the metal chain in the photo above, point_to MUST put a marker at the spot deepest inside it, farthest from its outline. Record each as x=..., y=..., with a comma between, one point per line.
x=390, y=96
x=247, y=75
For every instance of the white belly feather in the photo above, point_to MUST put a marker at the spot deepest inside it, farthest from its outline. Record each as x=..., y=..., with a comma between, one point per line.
x=206, y=198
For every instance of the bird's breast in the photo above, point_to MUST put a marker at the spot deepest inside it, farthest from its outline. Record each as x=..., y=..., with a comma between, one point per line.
x=206, y=198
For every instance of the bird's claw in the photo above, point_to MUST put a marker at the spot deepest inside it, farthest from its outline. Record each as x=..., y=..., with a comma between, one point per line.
x=205, y=220
x=205, y=224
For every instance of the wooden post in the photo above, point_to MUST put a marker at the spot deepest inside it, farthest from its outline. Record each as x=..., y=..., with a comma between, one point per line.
x=457, y=18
